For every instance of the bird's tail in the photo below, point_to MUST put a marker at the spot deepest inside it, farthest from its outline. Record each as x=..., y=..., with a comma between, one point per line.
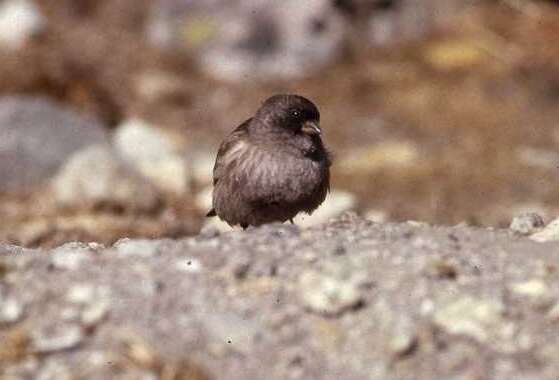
x=211, y=213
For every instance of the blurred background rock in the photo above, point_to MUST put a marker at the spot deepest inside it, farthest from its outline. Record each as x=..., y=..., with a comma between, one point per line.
x=111, y=111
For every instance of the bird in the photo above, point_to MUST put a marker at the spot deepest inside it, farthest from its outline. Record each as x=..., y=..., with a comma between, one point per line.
x=272, y=166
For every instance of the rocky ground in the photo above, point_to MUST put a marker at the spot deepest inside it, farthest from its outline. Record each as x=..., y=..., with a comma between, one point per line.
x=350, y=299
x=442, y=111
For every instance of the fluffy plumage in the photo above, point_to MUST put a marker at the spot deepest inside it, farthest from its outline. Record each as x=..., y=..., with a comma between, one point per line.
x=272, y=166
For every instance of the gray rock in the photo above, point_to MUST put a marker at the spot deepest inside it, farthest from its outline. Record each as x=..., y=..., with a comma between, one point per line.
x=36, y=137
x=96, y=177
x=287, y=297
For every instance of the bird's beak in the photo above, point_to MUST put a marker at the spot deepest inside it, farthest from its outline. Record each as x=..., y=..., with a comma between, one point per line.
x=311, y=128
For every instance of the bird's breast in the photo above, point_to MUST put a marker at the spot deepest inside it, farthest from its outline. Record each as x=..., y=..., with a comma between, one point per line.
x=281, y=176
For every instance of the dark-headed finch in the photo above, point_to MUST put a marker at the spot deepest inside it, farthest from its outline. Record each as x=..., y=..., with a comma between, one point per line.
x=272, y=166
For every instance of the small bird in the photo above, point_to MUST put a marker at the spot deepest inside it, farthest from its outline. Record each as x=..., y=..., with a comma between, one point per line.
x=272, y=166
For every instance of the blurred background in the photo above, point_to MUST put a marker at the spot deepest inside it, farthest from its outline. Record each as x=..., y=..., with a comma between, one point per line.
x=111, y=111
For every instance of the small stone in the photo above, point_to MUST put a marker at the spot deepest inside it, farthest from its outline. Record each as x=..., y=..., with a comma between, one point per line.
x=536, y=290
x=60, y=338
x=402, y=343
x=153, y=154
x=94, y=313
x=70, y=256
x=96, y=177
x=443, y=269
x=549, y=233
x=469, y=316
x=81, y=294
x=526, y=224
x=137, y=247
x=328, y=294
x=19, y=21
x=377, y=216
x=10, y=310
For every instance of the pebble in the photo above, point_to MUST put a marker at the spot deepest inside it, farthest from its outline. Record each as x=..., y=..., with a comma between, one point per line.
x=11, y=310
x=81, y=294
x=527, y=224
x=377, y=216
x=402, y=343
x=96, y=177
x=549, y=233
x=60, y=338
x=94, y=313
x=469, y=316
x=535, y=290
x=329, y=295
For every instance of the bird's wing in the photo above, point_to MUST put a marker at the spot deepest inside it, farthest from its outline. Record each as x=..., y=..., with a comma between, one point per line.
x=227, y=149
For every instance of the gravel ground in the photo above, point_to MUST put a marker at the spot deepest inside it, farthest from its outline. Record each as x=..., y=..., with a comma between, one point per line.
x=350, y=299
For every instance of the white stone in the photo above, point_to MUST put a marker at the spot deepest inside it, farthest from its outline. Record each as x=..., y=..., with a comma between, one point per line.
x=62, y=338
x=153, y=154
x=19, y=20
x=336, y=203
x=10, y=310
x=469, y=316
x=549, y=233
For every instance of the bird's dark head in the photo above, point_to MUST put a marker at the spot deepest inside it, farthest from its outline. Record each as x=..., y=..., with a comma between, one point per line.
x=290, y=113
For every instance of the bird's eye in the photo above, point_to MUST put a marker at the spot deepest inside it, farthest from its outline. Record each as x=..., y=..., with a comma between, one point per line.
x=295, y=113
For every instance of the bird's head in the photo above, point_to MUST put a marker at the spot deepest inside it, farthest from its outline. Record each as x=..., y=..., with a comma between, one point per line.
x=292, y=113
